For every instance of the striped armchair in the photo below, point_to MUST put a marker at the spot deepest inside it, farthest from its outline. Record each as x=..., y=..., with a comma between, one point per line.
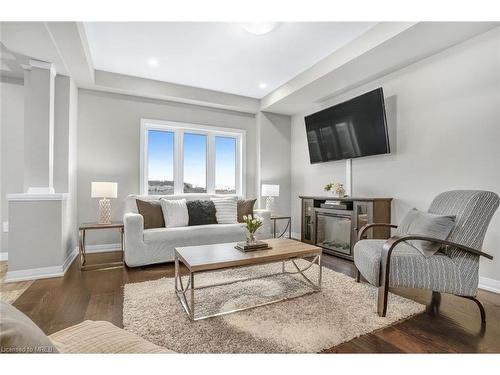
x=454, y=269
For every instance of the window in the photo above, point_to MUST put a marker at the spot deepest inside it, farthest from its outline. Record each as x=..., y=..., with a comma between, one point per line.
x=195, y=163
x=161, y=162
x=186, y=158
x=225, y=165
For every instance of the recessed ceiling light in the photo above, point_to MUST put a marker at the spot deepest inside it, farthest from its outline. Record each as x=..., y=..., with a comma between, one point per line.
x=262, y=85
x=153, y=62
x=259, y=28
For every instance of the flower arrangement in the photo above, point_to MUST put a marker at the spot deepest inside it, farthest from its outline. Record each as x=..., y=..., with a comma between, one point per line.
x=252, y=223
x=336, y=188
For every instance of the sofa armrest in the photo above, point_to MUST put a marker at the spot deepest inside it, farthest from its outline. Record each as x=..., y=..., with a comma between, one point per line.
x=265, y=231
x=133, y=226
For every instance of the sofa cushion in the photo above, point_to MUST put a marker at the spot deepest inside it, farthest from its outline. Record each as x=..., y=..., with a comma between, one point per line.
x=19, y=334
x=175, y=213
x=226, y=209
x=151, y=212
x=102, y=337
x=201, y=212
x=245, y=208
x=195, y=234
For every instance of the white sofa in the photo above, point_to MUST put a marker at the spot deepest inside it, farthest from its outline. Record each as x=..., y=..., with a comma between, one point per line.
x=149, y=246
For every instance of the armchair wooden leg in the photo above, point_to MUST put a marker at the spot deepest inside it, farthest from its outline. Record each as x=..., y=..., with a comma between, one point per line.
x=434, y=305
x=383, y=293
x=358, y=275
x=481, y=308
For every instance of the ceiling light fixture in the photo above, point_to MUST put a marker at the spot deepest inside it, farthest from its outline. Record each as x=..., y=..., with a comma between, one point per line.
x=153, y=62
x=259, y=28
x=262, y=85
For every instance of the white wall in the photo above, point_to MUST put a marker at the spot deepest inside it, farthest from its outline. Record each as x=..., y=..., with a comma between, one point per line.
x=273, y=152
x=12, y=146
x=108, y=145
x=65, y=154
x=444, y=120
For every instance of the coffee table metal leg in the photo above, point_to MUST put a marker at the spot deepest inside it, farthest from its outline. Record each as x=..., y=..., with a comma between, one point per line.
x=189, y=306
x=176, y=275
x=320, y=275
x=191, y=278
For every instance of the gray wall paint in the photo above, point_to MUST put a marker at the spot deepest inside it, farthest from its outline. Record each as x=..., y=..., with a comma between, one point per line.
x=444, y=116
x=31, y=247
x=274, y=135
x=12, y=147
x=109, y=145
x=65, y=143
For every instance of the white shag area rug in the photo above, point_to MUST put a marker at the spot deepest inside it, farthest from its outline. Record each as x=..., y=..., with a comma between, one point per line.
x=342, y=311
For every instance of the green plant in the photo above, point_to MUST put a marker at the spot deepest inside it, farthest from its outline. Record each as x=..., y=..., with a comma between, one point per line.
x=253, y=223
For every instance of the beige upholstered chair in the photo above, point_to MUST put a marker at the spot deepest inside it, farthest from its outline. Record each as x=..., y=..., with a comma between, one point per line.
x=453, y=269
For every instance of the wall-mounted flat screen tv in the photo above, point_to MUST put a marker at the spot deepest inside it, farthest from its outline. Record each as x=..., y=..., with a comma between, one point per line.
x=351, y=129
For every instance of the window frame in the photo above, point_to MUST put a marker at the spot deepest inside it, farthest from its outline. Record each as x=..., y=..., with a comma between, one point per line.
x=179, y=129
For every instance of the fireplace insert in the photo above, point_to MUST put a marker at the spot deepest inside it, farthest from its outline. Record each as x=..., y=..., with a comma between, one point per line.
x=334, y=231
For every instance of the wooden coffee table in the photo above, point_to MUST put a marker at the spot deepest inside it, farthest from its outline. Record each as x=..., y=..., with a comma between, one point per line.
x=206, y=258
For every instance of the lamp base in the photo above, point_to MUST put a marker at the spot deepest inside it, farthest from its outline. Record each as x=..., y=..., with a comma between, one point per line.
x=104, y=213
x=270, y=204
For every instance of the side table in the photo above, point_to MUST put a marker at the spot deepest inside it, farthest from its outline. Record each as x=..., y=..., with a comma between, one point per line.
x=94, y=226
x=288, y=227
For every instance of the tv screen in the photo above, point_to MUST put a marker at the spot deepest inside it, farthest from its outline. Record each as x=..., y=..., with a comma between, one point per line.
x=348, y=130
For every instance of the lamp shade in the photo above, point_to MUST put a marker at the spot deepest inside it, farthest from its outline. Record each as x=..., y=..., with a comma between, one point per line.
x=104, y=190
x=270, y=190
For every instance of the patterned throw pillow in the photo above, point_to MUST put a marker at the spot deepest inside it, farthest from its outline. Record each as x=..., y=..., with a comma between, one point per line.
x=226, y=209
x=175, y=212
x=245, y=208
x=201, y=212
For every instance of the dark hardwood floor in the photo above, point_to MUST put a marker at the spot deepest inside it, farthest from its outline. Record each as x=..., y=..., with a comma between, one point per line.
x=58, y=303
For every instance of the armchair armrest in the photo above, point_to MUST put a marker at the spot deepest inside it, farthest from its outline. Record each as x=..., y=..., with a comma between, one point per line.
x=365, y=227
x=393, y=241
x=385, y=261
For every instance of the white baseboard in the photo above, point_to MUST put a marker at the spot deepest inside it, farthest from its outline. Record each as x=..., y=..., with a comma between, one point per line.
x=102, y=248
x=4, y=256
x=491, y=285
x=42, y=273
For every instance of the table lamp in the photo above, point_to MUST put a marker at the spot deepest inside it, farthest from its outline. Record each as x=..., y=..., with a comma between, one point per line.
x=104, y=190
x=270, y=191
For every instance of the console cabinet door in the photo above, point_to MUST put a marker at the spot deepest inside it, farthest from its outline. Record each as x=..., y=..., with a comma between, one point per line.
x=307, y=230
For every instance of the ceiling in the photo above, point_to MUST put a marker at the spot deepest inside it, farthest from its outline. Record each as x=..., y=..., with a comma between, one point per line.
x=215, y=55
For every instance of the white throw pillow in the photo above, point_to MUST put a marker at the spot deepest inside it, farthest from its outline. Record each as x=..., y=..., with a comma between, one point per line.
x=226, y=210
x=175, y=212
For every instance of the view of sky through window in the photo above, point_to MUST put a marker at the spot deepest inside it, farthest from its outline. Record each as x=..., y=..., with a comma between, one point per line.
x=161, y=163
x=195, y=163
x=225, y=165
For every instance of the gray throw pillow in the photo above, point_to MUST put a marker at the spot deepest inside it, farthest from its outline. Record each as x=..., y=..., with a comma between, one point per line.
x=426, y=224
x=18, y=333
